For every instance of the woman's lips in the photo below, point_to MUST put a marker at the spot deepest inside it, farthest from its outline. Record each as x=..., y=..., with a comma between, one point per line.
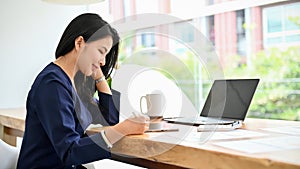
x=95, y=67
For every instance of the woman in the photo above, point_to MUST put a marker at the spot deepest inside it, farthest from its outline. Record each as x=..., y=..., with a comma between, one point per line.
x=58, y=113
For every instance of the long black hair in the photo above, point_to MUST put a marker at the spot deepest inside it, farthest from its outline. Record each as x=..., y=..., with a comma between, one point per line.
x=91, y=27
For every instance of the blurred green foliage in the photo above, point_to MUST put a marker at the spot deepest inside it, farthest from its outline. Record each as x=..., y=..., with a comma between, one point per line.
x=278, y=94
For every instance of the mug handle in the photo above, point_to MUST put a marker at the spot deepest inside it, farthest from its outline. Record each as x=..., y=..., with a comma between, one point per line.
x=141, y=104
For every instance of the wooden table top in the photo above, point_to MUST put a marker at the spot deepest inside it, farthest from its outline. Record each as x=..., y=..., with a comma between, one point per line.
x=13, y=118
x=176, y=149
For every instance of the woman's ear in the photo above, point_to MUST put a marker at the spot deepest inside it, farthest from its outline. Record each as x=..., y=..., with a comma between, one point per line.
x=79, y=43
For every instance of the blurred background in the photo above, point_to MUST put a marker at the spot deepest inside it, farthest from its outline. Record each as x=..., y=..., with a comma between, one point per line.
x=251, y=38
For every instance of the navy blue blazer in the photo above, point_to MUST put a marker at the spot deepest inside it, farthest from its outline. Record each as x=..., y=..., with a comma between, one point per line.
x=56, y=121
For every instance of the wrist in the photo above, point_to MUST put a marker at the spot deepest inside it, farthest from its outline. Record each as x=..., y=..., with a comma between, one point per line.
x=119, y=129
x=114, y=134
x=98, y=80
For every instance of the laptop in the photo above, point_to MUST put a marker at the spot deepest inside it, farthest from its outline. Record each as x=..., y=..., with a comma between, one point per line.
x=228, y=101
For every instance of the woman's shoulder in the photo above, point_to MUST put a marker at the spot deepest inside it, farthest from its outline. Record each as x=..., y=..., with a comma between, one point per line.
x=53, y=70
x=52, y=73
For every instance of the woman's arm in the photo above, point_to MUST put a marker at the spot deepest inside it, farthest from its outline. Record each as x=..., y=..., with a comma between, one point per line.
x=61, y=125
x=105, y=109
x=101, y=83
x=109, y=106
x=134, y=125
x=109, y=100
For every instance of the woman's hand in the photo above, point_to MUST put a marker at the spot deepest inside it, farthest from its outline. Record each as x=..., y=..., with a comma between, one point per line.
x=102, y=86
x=97, y=74
x=134, y=125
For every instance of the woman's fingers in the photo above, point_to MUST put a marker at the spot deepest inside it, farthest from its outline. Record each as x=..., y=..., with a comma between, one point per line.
x=141, y=118
x=97, y=74
x=139, y=124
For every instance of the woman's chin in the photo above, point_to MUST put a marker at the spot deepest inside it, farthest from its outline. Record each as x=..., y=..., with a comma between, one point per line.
x=87, y=73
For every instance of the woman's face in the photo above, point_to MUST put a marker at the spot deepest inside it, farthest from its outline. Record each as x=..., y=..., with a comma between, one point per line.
x=93, y=55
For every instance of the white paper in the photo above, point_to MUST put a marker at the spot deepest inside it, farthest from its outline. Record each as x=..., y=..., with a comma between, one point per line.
x=262, y=145
x=221, y=135
x=291, y=130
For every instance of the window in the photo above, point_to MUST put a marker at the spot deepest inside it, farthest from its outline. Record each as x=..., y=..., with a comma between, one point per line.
x=148, y=39
x=127, y=9
x=184, y=31
x=241, y=34
x=209, y=2
x=211, y=28
x=280, y=26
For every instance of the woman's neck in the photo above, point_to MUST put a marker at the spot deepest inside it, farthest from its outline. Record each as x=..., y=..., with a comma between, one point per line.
x=68, y=64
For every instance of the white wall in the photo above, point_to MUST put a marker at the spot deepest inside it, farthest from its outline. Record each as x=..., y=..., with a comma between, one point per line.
x=29, y=33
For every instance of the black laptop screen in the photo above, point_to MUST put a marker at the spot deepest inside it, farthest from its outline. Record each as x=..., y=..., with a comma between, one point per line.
x=229, y=98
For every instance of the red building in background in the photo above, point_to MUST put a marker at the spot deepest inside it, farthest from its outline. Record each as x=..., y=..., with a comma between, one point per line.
x=242, y=30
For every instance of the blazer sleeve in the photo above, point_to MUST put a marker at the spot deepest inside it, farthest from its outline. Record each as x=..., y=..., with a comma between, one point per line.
x=109, y=106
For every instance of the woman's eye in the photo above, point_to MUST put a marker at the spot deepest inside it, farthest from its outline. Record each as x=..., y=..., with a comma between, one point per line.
x=101, y=52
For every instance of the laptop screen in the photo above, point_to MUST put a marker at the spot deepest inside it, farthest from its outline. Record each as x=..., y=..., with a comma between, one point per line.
x=229, y=98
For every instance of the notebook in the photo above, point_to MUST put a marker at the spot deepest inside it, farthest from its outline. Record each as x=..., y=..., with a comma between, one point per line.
x=228, y=101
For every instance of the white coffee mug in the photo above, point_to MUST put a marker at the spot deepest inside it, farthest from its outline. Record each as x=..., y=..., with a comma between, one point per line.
x=155, y=105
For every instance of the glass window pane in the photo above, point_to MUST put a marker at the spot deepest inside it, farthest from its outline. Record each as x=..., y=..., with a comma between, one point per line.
x=292, y=16
x=184, y=31
x=273, y=41
x=293, y=38
x=274, y=22
x=148, y=40
x=127, y=10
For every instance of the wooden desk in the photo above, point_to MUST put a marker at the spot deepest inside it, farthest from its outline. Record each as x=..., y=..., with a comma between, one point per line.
x=12, y=124
x=183, y=153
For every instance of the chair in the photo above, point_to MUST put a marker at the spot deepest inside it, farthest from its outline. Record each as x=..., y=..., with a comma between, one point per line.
x=9, y=158
x=8, y=155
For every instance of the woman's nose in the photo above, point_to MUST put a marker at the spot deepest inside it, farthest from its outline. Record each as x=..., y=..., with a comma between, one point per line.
x=102, y=61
